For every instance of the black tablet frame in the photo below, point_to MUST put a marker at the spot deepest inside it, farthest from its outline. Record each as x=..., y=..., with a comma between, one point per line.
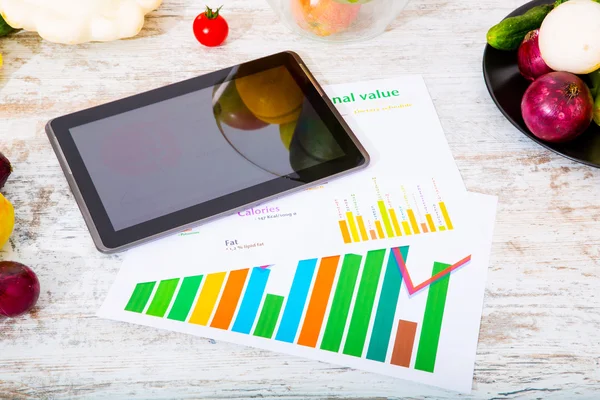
x=108, y=240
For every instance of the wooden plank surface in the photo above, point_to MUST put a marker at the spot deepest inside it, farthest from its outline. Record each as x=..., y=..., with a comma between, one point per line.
x=540, y=329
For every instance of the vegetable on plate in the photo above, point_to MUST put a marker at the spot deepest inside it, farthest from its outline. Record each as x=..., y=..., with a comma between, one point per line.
x=509, y=33
x=569, y=38
x=530, y=61
x=557, y=107
x=78, y=21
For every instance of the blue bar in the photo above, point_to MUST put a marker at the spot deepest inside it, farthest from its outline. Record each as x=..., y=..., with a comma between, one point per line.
x=251, y=301
x=288, y=328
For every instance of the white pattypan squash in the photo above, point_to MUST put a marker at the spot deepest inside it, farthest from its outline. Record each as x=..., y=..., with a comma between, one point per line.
x=78, y=21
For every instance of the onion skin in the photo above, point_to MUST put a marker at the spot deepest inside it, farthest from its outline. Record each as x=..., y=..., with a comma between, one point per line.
x=19, y=289
x=529, y=58
x=557, y=107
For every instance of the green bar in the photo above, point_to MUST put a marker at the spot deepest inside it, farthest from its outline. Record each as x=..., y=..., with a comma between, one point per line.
x=269, y=316
x=386, y=309
x=139, y=298
x=162, y=298
x=386, y=219
x=334, y=331
x=185, y=298
x=432, y=321
x=363, y=307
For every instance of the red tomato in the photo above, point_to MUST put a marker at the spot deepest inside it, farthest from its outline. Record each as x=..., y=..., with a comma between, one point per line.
x=210, y=28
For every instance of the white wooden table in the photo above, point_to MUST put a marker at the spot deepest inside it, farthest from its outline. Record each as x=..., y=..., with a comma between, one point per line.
x=540, y=330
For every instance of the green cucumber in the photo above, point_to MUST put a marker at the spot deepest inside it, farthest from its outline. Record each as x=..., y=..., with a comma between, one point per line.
x=5, y=28
x=508, y=34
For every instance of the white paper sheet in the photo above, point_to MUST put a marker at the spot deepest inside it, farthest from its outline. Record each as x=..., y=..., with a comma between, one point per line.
x=441, y=353
x=411, y=195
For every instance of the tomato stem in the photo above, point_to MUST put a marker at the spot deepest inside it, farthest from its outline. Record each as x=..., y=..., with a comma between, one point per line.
x=210, y=14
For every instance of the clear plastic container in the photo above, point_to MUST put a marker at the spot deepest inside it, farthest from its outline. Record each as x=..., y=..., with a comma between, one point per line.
x=338, y=20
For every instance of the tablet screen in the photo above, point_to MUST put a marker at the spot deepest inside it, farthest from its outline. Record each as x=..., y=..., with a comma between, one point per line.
x=165, y=157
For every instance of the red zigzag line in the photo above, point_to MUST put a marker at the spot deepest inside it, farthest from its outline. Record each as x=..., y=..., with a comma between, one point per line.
x=409, y=284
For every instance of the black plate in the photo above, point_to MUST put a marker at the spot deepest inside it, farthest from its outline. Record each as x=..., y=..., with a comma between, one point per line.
x=507, y=86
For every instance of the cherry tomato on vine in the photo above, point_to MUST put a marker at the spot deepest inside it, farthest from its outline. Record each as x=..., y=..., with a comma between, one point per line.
x=210, y=28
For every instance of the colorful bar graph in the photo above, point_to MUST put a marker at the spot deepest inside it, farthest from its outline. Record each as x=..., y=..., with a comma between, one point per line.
x=311, y=329
x=430, y=222
x=404, y=343
x=140, y=296
x=162, y=298
x=340, y=307
x=208, y=298
x=361, y=228
x=185, y=298
x=386, y=309
x=446, y=216
x=386, y=219
x=296, y=301
x=413, y=221
x=432, y=321
x=353, y=227
x=406, y=228
x=251, y=301
x=424, y=227
x=379, y=229
x=345, y=232
x=373, y=235
x=363, y=307
x=319, y=312
x=269, y=316
x=394, y=218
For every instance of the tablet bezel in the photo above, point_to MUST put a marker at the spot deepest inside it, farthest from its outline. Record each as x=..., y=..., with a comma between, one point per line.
x=108, y=240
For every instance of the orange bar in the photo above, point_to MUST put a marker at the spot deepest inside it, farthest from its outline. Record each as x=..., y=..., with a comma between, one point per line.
x=229, y=299
x=373, y=235
x=424, y=226
x=404, y=343
x=318, y=302
x=361, y=228
x=430, y=222
x=345, y=232
x=379, y=229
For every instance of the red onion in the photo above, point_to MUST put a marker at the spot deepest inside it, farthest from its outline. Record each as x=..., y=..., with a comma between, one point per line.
x=19, y=289
x=529, y=58
x=557, y=107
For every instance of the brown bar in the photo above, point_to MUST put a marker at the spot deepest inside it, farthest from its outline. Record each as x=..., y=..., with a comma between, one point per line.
x=404, y=343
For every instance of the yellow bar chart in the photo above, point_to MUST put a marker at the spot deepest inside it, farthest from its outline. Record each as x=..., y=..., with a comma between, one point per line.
x=387, y=215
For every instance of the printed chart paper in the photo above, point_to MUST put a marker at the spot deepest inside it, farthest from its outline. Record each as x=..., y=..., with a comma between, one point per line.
x=412, y=187
x=370, y=305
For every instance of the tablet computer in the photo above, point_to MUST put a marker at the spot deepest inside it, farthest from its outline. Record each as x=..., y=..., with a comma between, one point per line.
x=162, y=161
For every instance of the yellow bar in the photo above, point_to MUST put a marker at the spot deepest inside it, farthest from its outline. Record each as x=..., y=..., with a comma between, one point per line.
x=352, y=224
x=379, y=229
x=430, y=222
x=446, y=216
x=395, y=222
x=208, y=298
x=345, y=233
x=442, y=228
x=413, y=221
x=361, y=227
x=406, y=228
x=386, y=218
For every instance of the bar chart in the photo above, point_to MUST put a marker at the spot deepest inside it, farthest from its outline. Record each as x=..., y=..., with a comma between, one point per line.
x=346, y=304
x=400, y=211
